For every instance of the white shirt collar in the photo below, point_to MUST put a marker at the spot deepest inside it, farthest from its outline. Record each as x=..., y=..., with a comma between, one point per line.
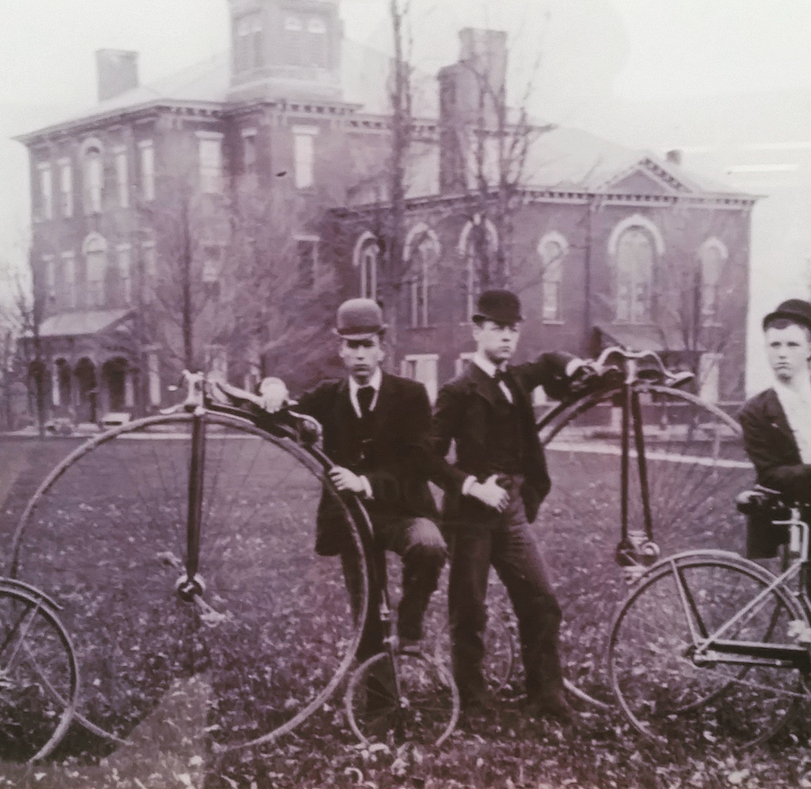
x=484, y=364
x=796, y=405
x=375, y=381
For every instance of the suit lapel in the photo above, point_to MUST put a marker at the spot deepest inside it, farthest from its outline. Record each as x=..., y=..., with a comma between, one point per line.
x=483, y=384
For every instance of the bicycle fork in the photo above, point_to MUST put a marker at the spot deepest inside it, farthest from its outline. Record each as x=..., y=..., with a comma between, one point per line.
x=636, y=548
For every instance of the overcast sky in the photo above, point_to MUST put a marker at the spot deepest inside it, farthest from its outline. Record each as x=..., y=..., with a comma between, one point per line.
x=650, y=47
x=590, y=54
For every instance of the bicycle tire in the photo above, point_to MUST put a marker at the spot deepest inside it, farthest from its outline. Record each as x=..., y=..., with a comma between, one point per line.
x=39, y=675
x=425, y=713
x=105, y=534
x=696, y=465
x=663, y=692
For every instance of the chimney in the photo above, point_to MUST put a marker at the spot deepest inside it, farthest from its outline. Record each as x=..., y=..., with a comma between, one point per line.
x=471, y=92
x=117, y=71
x=674, y=157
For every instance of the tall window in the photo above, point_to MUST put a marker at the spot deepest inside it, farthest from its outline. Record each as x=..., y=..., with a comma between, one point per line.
x=149, y=263
x=478, y=243
x=210, y=149
x=307, y=259
x=93, y=179
x=552, y=249
x=46, y=194
x=125, y=272
x=212, y=267
x=248, y=46
x=65, y=188
x=422, y=254
x=712, y=257
x=365, y=258
x=69, y=278
x=422, y=367
x=95, y=256
x=249, y=152
x=122, y=181
x=306, y=42
x=304, y=155
x=634, y=262
x=146, y=150
x=49, y=269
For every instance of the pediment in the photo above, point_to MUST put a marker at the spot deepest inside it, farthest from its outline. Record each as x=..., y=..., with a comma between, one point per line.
x=648, y=177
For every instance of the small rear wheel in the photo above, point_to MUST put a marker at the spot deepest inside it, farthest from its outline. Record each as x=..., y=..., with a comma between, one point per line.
x=425, y=711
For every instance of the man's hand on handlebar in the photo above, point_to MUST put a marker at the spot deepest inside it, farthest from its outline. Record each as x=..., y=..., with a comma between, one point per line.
x=273, y=394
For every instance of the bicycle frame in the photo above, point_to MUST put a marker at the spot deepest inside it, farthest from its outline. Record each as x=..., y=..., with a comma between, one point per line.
x=712, y=648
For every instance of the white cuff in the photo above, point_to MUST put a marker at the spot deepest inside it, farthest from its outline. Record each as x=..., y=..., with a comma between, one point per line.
x=467, y=485
x=572, y=366
x=367, y=487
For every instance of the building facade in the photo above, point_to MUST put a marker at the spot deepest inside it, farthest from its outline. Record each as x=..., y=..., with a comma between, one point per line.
x=194, y=222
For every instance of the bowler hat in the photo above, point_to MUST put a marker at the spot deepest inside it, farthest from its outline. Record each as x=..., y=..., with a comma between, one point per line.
x=499, y=306
x=359, y=319
x=796, y=310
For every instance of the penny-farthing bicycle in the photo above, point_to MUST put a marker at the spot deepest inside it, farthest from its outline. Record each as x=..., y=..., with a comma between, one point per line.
x=181, y=550
x=640, y=468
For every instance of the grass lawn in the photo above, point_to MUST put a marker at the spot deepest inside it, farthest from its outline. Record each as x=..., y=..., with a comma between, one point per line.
x=104, y=544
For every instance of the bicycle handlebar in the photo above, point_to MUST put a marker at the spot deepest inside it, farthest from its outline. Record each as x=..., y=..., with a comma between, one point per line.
x=630, y=364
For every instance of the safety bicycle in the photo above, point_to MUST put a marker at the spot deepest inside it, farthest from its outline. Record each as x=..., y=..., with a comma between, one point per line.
x=715, y=647
x=39, y=675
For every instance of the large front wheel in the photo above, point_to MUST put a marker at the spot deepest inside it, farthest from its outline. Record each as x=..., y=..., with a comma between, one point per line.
x=264, y=632
x=695, y=465
x=669, y=686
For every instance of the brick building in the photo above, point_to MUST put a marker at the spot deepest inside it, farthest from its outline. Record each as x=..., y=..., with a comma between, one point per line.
x=174, y=224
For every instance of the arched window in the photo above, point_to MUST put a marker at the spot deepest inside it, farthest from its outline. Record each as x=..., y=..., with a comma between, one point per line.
x=552, y=248
x=634, y=246
x=93, y=169
x=94, y=250
x=478, y=244
x=366, y=257
x=422, y=254
x=712, y=256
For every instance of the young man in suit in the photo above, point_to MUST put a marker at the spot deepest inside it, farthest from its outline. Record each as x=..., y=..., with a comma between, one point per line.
x=492, y=495
x=777, y=422
x=376, y=429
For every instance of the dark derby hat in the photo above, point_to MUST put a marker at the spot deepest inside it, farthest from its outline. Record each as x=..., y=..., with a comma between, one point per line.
x=499, y=306
x=795, y=310
x=359, y=319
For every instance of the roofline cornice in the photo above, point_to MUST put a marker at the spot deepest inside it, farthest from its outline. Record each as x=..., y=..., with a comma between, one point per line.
x=574, y=196
x=91, y=122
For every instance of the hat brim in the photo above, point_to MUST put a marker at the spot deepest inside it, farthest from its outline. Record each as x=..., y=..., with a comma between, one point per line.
x=360, y=333
x=794, y=317
x=480, y=316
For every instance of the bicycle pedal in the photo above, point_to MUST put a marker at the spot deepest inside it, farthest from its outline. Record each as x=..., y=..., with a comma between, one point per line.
x=407, y=646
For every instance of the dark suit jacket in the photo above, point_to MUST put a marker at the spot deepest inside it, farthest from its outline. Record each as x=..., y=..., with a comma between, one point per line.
x=396, y=458
x=464, y=414
x=772, y=448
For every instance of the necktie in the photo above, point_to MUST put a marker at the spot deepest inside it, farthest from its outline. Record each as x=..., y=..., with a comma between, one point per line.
x=365, y=396
x=503, y=384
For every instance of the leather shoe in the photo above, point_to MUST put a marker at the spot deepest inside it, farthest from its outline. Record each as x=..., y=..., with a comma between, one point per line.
x=553, y=706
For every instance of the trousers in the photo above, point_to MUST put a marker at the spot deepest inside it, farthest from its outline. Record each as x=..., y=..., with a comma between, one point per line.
x=510, y=547
x=422, y=548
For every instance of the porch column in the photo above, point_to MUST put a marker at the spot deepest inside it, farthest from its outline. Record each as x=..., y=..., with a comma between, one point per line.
x=129, y=388
x=55, y=394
